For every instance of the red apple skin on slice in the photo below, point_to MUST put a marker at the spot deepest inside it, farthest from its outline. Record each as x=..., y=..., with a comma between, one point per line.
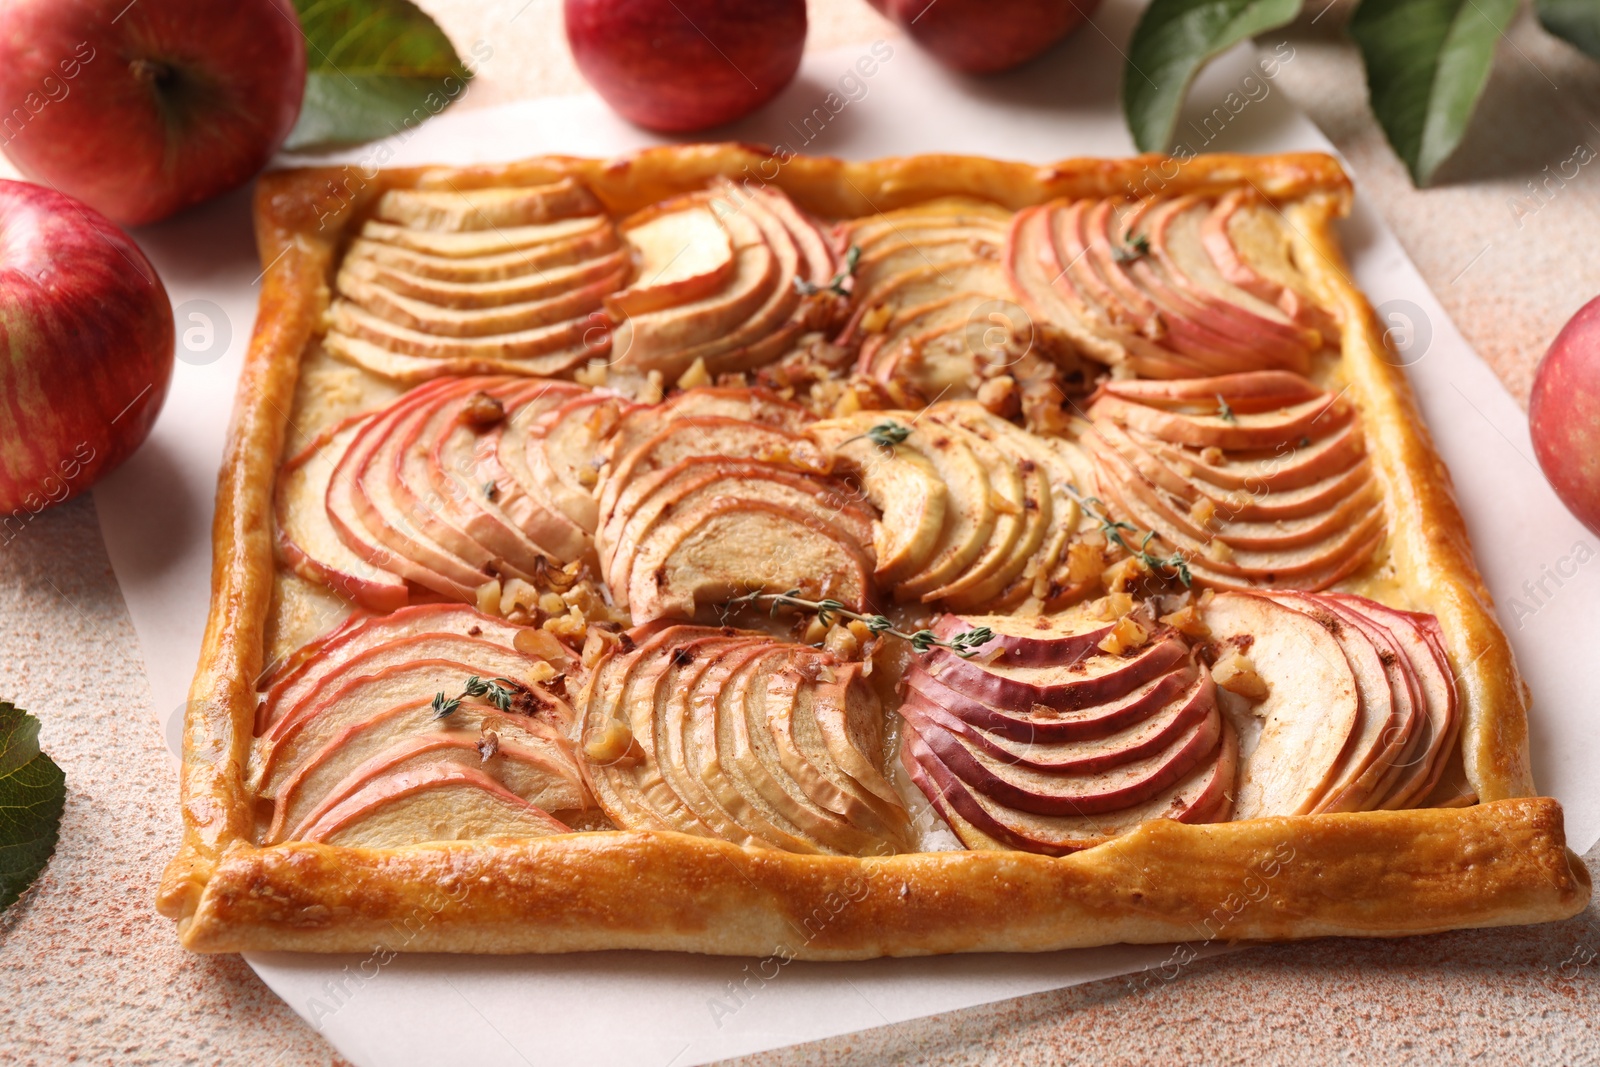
x=308, y=542
x=1140, y=738
x=1418, y=638
x=1066, y=688
x=1390, y=715
x=683, y=254
x=1310, y=713
x=359, y=633
x=1097, y=791
x=1029, y=641
x=1038, y=724
x=982, y=823
x=534, y=774
x=439, y=802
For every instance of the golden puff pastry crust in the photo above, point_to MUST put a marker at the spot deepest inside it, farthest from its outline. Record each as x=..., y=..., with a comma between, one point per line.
x=1499, y=859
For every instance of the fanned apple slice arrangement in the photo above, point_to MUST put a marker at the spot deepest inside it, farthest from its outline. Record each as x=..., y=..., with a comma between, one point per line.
x=727, y=280
x=472, y=281
x=458, y=483
x=1357, y=704
x=1185, y=287
x=734, y=735
x=1046, y=741
x=1256, y=480
x=710, y=496
x=1118, y=610
x=974, y=510
x=431, y=723
x=934, y=311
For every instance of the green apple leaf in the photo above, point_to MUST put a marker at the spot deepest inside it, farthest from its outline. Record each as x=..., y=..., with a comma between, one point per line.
x=1173, y=40
x=1575, y=21
x=374, y=68
x=1427, y=63
x=32, y=793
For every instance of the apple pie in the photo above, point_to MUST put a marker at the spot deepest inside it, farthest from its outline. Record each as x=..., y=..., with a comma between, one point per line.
x=718, y=551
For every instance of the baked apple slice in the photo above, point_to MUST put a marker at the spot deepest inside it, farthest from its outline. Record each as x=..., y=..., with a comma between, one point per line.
x=392, y=673
x=1389, y=714
x=1421, y=646
x=496, y=207
x=476, y=244
x=360, y=633
x=746, y=743
x=501, y=455
x=726, y=548
x=687, y=749
x=479, y=269
x=1062, y=687
x=699, y=479
x=1248, y=242
x=538, y=763
x=563, y=447
x=435, y=802
x=306, y=537
x=982, y=823
x=1041, y=724
x=683, y=254
x=1062, y=790
x=390, y=287
x=1310, y=714
x=827, y=727
x=489, y=320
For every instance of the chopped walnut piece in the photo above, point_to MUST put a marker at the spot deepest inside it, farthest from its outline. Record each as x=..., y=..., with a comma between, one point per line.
x=540, y=673
x=595, y=645
x=1235, y=673
x=1203, y=511
x=652, y=390
x=695, y=375
x=482, y=411
x=1111, y=607
x=614, y=743
x=593, y=374
x=841, y=642
x=1124, y=573
x=1212, y=455
x=571, y=626
x=1187, y=620
x=1085, y=561
x=516, y=593
x=1219, y=551
x=489, y=597
x=876, y=319
x=1126, y=635
x=488, y=746
x=533, y=642
x=1000, y=396
x=816, y=631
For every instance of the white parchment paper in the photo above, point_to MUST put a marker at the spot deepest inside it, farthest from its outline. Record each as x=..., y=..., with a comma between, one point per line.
x=661, y=1009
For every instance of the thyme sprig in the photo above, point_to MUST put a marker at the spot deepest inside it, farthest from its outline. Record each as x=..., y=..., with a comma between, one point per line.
x=498, y=691
x=963, y=644
x=1132, y=248
x=838, y=285
x=1224, y=411
x=885, y=435
x=1176, y=563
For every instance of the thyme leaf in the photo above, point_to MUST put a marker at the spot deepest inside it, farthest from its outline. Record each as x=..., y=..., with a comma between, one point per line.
x=840, y=283
x=1177, y=563
x=963, y=644
x=1132, y=248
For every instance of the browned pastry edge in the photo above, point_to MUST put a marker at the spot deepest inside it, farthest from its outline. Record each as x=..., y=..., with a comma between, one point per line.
x=1371, y=874
x=1375, y=873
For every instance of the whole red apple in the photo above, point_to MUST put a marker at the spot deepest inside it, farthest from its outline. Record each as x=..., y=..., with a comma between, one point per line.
x=1564, y=414
x=141, y=109
x=987, y=36
x=682, y=65
x=86, y=345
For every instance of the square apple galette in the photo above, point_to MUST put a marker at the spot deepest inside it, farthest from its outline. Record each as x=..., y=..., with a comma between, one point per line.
x=654, y=553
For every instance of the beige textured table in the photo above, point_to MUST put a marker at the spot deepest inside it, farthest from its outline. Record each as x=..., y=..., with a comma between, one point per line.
x=89, y=973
